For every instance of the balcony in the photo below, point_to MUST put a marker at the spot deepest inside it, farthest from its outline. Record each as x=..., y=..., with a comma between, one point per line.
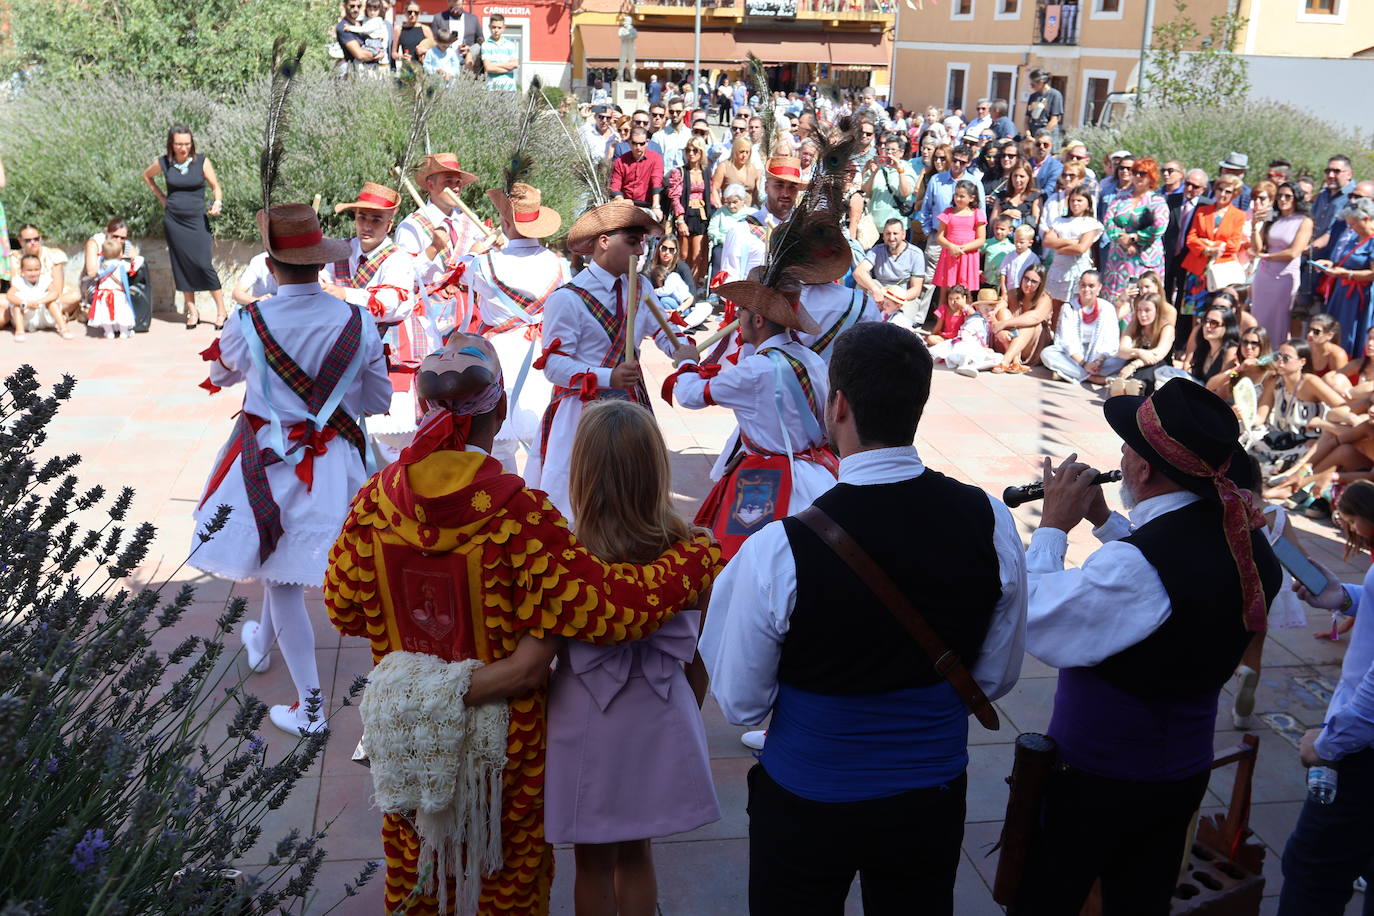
x=833, y=10
x=1056, y=23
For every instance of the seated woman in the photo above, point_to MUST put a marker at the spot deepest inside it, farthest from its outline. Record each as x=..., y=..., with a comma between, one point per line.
x=1337, y=458
x=1143, y=285
x=1086, y=336
x=1146, y=343
x=117, y=229
x=735, y=208
x=1291, y=408
x=1241, y=382
x=1215, y=351
x=1355, y=378
x=666, y=273
x=1021, y=336
x=1323, y=336
x=1226, y=300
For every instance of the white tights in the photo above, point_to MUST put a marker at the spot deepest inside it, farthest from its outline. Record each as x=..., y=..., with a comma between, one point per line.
x=285, y=620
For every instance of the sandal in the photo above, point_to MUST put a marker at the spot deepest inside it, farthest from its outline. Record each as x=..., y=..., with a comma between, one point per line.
x=999, y=369
x=1019, y=368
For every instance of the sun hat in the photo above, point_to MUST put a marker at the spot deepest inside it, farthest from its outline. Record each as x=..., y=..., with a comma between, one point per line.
x=291, y=234
x=524, y=209
x=373, y=196
x=785, y=168
x=1238, y=161
x=439, y=163
x=780, y=305
x=613, y=216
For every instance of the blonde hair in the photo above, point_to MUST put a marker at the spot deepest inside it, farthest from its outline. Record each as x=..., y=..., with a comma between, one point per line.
x=1230, y=182
x=112, y=249
x=620, y=485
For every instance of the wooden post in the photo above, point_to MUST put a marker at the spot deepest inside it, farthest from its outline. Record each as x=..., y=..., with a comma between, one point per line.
x=631, y=302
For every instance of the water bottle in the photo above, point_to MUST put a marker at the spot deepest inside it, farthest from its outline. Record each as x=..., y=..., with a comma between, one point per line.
x=1321, y=785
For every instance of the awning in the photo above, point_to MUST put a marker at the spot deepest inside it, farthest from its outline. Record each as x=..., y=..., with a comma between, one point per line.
x=601, y=45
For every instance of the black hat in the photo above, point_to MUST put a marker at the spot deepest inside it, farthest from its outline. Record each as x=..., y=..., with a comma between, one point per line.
x=1190, y=436
x=1193, y=417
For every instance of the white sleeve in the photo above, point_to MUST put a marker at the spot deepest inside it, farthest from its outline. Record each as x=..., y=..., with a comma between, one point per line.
x=999, y=663
x=1081, y=616
x=234, y=361
x=376, y=384
x=751, y=607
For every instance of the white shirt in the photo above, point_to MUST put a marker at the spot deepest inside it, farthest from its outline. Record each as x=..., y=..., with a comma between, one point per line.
x=582, y=343
x=1079, y=617
x=752, y=603
x=672, y=143
x=1093, y=341
x=743, y=249
x=829, y=303
x=463, y=234
x=597, y=143
x=522, y=264
x=256, y=279
x=397, y=271
x=748, y=389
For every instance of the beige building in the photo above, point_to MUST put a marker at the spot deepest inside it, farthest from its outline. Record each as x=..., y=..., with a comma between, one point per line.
x=959, y=51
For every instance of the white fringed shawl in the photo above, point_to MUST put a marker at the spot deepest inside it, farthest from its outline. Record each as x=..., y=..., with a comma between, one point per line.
x=442, y=760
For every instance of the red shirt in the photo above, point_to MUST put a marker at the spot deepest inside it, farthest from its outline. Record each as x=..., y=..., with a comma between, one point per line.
x=639, y=181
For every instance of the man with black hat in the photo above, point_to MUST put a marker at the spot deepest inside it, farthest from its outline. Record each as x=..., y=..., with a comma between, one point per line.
x=378, y=277
x=587, y=334
x=1145, y=633
x=510, y=288
x=293, y=462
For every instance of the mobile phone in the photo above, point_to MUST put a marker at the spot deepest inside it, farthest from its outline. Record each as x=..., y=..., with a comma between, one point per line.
x=1266, y=359
x=1322, y=267
x=1301, y=568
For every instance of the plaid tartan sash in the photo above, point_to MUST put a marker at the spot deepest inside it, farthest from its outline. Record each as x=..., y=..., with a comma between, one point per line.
x=254, y=462
x=822, y=343
x=530, y=304
x=314, y=392
x=755, y=226
x=613, y=325
x=803, y=380
x=368, y=265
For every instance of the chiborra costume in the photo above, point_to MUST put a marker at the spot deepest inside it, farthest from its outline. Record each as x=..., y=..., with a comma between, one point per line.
x=445, y=553
x=585, y=329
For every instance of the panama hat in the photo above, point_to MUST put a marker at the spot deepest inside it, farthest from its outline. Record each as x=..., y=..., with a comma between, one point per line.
x=291, y=234
x=440, y=163
x=605, y=219
x=785, y=168
x=780, y=306
x=523, y=208
x=373, y=196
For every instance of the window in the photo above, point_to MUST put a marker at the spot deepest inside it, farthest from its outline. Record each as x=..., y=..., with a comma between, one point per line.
x=1007, y=9
x=1000, y=87
x=1325, y=12
x=954, y=94
x=1321, y=7
x=961, y=9
x=1107, y=9
x=1095, y=98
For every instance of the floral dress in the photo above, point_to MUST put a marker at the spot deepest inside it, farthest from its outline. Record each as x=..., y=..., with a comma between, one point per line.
x=1147, y=218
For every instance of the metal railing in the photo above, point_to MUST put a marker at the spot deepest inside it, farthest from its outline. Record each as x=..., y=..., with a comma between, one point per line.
x=785, y=9
x=1056, y=23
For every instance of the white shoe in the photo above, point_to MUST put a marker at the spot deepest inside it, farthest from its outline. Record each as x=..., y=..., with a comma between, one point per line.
x=966, y=371
x=1061, y=378
x=293, y=720
x=258, y=662
x=753, y=740
x=1245, y=693
x=20, y=338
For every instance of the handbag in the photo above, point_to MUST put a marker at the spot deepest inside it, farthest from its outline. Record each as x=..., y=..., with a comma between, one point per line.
x=947, y=663
x=1221, y=274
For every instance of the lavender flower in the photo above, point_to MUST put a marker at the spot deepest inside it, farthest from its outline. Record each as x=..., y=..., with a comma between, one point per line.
x=89, y=850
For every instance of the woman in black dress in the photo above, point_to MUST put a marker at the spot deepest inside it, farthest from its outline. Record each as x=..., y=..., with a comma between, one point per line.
x=189, y=242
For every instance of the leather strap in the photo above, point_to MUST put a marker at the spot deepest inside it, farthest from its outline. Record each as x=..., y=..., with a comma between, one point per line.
x=947, y=663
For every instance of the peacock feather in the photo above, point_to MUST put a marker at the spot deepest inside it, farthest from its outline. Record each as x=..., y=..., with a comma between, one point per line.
x=284, y=70
x=520, y=164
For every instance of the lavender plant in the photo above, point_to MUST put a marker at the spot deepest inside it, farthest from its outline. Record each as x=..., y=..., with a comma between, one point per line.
x=119, y=795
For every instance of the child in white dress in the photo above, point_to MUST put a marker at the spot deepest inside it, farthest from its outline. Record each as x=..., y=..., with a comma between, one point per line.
x=110, y=307
x=969, y=351
x=27, y=309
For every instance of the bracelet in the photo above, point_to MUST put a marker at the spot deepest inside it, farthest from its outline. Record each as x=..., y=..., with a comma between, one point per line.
x=1349, y=603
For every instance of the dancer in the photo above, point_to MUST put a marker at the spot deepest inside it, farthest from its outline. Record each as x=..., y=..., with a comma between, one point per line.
x=447, y=555
x=311, y=365
x=438, y=234
x=378, y=277
x=510, y=288
x=585, y=336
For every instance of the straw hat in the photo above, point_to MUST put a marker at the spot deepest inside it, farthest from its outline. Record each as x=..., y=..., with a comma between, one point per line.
x=523, y=208
x=440, y=163
x=780, y=306
x=987, y=295
x=373, y=196
x=291, y=234
x=785, y=168
x=608, y=218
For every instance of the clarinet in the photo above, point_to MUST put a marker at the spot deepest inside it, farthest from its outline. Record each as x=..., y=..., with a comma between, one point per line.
x=1015, y=496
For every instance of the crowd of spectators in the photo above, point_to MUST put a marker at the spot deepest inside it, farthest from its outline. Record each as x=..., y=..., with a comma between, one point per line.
x=373, y=38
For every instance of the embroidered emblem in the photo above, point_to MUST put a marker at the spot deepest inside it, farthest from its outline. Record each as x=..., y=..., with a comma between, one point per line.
x=756, y=494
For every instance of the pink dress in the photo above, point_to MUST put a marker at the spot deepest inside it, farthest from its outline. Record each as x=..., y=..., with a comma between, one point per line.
x=627, y=756
x=965, y=269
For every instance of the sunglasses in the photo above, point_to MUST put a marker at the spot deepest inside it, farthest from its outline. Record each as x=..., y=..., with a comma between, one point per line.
x=866, y=133
x=1284, y=358
x=1212, y=323
x=1286, y=195
x=640, y=123
x=1007, y=156
x=958, y=161
x=1249, y=343
x=1169, y=171
x=738, y=130
x=32, y=238
x=637, y=144
x=668, y=248
x=1140, y=174
x=939, y=158
x=1333, y=171
x=1044, y=144
x=1083, y=158
x=1194, y=185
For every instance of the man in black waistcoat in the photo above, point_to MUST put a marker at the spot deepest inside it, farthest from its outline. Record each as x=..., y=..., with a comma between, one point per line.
x=863, y=770
x=1145, y=633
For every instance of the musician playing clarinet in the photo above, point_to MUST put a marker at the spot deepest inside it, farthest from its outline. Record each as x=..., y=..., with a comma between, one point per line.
x=1145, y=633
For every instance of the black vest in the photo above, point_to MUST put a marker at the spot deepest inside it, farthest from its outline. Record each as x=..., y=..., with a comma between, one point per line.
x=1200, y=643
x=934, y=537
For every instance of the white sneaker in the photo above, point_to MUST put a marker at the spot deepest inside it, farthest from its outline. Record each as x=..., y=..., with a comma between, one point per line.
x=293, y=720
x=20, y=338
x=966, y=371
x=258, y=661
x=1245, y=693
x=753, y=740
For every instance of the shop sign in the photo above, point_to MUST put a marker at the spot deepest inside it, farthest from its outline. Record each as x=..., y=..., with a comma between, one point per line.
x=771, y=9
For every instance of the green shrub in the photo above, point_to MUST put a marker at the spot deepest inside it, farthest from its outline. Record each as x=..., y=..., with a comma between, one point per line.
x=70, y=173
x=119, y=796
x=1201, y=138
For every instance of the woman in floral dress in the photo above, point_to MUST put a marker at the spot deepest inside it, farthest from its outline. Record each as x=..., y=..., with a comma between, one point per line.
x=1135, y=224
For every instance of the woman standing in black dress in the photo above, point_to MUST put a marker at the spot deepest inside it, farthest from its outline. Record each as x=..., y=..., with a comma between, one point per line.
x=189, y=242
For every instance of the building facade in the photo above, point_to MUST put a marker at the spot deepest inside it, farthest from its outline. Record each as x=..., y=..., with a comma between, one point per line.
x=542, y=28
x=952, y=54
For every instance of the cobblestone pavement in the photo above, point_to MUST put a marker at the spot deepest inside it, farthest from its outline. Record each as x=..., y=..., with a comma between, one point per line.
x=139, y=420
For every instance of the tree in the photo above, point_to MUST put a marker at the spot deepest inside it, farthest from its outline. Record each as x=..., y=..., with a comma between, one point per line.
x=1186, y=67
x=212, y=45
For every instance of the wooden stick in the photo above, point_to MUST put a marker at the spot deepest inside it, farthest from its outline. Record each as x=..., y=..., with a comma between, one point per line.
x=316, y=203
x=631, y=302
x=467, y=211
x=717, y=337
x=662, y=319
x=405, y=182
